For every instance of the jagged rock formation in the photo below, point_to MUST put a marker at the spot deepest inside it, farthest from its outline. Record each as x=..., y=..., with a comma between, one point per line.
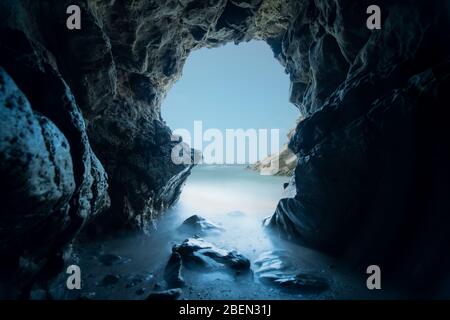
x=371, y=147
x=372, y=153
x=119, y=67
x=282, y=163
x=106, y=81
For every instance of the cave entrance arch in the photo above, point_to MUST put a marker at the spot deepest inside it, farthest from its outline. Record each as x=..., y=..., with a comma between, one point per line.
x=229, y=88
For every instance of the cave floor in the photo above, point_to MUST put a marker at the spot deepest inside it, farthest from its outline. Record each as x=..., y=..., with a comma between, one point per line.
x=143, y=260
x=130, y=267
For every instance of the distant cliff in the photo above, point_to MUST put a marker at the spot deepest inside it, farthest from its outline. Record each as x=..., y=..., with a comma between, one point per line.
x=286, y=162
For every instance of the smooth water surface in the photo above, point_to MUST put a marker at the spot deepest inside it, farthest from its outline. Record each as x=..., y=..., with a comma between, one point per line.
x=235, y=198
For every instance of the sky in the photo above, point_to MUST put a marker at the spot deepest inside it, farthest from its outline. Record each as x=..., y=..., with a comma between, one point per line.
x=232, y=87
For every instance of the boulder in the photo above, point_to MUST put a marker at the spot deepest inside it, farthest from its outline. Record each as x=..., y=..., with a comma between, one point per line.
x=196, y=225
x=200, y=253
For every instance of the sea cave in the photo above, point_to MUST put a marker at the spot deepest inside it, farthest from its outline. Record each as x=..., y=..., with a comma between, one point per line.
x=87, y=125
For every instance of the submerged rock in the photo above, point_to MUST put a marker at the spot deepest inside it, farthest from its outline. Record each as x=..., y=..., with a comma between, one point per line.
x=172, y=272
x=199, y=225
x=276, y=268
x=273, y=261
x=301, y=282
x=198, y=252
x=172, y=294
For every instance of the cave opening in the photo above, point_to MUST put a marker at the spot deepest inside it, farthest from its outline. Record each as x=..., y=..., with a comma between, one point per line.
x=85, y=155
x=226, y=198
x=231, y=104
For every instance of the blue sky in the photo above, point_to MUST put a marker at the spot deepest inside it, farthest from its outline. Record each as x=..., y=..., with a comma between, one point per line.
x=231, y=87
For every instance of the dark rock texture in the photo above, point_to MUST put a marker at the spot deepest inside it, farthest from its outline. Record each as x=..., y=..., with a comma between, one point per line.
x=37, y=184
x=172, y=271
x=200, y=253
x=275, y=268
x=52, y=182
x=107, y=81
x=372, y=177
x=45, y=203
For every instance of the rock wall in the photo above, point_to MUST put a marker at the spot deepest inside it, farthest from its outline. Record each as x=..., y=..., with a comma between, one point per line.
x=119, y=67
x=98, y=88
x=371, y=150
x=370, y=178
